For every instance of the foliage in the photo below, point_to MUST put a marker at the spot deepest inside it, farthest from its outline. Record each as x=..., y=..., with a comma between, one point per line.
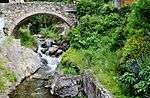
x=90, y=7
x=6, y=75
x=26, y=37
x=138, y=21
x=92, y=30
x=73, y=57
x=134, y=47
x=50, y=32
x=138, y=83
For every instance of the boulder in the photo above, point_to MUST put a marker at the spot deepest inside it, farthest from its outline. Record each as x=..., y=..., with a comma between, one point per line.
x=59, y=52
x=52, y=50
x=93, y=88
x=22, y=61
x=66, y=86
x=4, y=96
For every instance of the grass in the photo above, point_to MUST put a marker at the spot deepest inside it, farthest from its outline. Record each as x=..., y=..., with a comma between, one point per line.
x=101, y=61
x=6, y=75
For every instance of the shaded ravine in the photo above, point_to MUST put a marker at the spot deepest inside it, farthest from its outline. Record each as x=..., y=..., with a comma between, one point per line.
x=34, y=86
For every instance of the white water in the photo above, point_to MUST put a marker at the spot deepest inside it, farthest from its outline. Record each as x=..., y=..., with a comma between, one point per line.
x=52, y=62
x=2, y=24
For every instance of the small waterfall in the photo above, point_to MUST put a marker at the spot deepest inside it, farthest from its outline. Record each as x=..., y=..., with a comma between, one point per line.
x=50, y=52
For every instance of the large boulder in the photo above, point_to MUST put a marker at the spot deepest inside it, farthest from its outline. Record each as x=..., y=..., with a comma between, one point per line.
x=66, y=86
x=93, y=88
x=22, y=61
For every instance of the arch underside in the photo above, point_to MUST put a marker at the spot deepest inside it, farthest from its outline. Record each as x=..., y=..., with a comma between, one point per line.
x=13, y=24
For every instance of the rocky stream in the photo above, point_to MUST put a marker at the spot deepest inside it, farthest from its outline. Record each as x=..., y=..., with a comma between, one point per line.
x=36, y=72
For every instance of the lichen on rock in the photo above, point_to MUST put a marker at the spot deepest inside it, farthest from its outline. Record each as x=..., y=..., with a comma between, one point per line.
x=16, y=63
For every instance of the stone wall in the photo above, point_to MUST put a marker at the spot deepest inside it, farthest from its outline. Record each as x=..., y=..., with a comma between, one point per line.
x=14, y=13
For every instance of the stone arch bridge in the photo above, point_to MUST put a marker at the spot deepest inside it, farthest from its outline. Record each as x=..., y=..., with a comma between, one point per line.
x=14, y=13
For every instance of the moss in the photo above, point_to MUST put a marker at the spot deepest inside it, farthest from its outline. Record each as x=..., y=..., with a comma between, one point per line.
x=6, y=75
x=74, y=57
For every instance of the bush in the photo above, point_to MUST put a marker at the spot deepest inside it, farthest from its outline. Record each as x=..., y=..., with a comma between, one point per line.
x=26, y=37
x=134, y=47
x=50, y=32
x=139, y=21
x=93, y=29
x=91, y=7
x=136, y=79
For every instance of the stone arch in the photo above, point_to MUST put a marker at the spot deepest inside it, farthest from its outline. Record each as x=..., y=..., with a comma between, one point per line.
x=14, y=13
x=28, y=15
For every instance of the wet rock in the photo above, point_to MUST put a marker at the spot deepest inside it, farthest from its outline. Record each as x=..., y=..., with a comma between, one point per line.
x=49, y=42
x=59, y=52
x=44, y=45
x=66, y=86
x=52, y=50
x=44, y=50
x=64, y=46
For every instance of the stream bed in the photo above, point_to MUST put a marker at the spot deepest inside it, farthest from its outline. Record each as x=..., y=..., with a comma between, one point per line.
x=32, y=88
x=49, y=51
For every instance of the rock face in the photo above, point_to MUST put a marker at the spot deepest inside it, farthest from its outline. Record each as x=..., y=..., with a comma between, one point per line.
x=71, y=86
x=66, y=86
x=22, y=61
x=93, y=88
x=12, y=1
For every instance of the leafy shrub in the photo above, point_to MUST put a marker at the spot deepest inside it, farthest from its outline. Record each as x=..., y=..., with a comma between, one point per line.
x=50, y=32
x=93, y=29
x=26, y=37
x=73, y=57
x=90, y=7
x=138, y=21
x=134, y=47
x=137, y=83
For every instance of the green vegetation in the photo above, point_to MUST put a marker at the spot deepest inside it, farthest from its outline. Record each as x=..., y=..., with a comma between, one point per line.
x=112, y=42
x=5, y=76
x=50, y=32
x=44, y=25
x=26, y=38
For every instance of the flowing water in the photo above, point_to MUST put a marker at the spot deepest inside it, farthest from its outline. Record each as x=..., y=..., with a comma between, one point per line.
x=35, y=88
